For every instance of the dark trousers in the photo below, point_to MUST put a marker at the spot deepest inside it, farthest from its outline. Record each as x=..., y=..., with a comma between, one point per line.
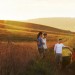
x=42, y=52
x=66, y=61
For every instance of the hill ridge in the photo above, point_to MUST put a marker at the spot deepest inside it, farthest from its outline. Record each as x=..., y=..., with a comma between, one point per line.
x=30, y=26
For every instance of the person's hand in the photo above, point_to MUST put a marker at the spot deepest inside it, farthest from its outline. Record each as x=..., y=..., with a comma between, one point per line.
x=71, y=49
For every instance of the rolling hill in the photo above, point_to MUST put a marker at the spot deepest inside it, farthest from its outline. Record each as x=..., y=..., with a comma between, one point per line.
x=15, y=30
x=25, y=26
x=61, y=23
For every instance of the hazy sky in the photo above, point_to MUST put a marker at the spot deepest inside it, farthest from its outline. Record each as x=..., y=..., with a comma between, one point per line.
x=29, y=9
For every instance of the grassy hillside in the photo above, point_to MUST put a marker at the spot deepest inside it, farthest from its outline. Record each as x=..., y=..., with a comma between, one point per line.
x=15, y=25
x=61, y=23
x=14, y=30
x=21, y=57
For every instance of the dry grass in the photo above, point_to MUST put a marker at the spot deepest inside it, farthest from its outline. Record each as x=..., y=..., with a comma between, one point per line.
x=15, y=56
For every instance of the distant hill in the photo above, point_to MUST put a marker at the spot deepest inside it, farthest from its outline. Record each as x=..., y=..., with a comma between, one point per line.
x=20, y=31
x=25, y=26
x=61, y=23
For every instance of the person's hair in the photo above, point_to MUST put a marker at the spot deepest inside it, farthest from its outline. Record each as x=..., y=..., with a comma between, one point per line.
x=40, y=33
x=44, y=34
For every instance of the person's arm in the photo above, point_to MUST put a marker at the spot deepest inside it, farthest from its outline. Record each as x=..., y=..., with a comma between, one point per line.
x=68, y=47
x=42, y=42
x=64, y=46
x=38, y=42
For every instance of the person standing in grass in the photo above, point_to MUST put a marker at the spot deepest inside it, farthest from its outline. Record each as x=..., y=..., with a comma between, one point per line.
x=58, y=52
x=40, y=43
x=44, y=40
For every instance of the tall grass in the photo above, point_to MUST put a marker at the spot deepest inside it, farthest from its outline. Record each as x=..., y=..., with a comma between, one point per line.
x=15, y=56
x=21, y=58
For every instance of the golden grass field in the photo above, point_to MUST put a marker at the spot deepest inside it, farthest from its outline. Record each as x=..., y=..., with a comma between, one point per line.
x=18, y=49
x=14, y=56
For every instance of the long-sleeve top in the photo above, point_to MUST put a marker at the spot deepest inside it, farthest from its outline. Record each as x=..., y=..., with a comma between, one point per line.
x=58, y=48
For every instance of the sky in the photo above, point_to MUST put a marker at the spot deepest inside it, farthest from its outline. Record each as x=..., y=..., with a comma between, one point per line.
x=30, y=9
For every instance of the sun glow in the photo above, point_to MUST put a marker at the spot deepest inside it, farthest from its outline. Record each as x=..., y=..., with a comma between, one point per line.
x=30, y=9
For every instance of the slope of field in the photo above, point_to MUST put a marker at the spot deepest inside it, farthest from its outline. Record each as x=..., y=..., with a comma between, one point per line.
x=22, y=57
x=14, y=30
x=61, y=23
x=34, y=26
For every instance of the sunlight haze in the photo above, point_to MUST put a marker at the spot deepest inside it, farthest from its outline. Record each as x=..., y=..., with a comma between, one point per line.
x=21, y=10
x=30, y=9
x=61, y=23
